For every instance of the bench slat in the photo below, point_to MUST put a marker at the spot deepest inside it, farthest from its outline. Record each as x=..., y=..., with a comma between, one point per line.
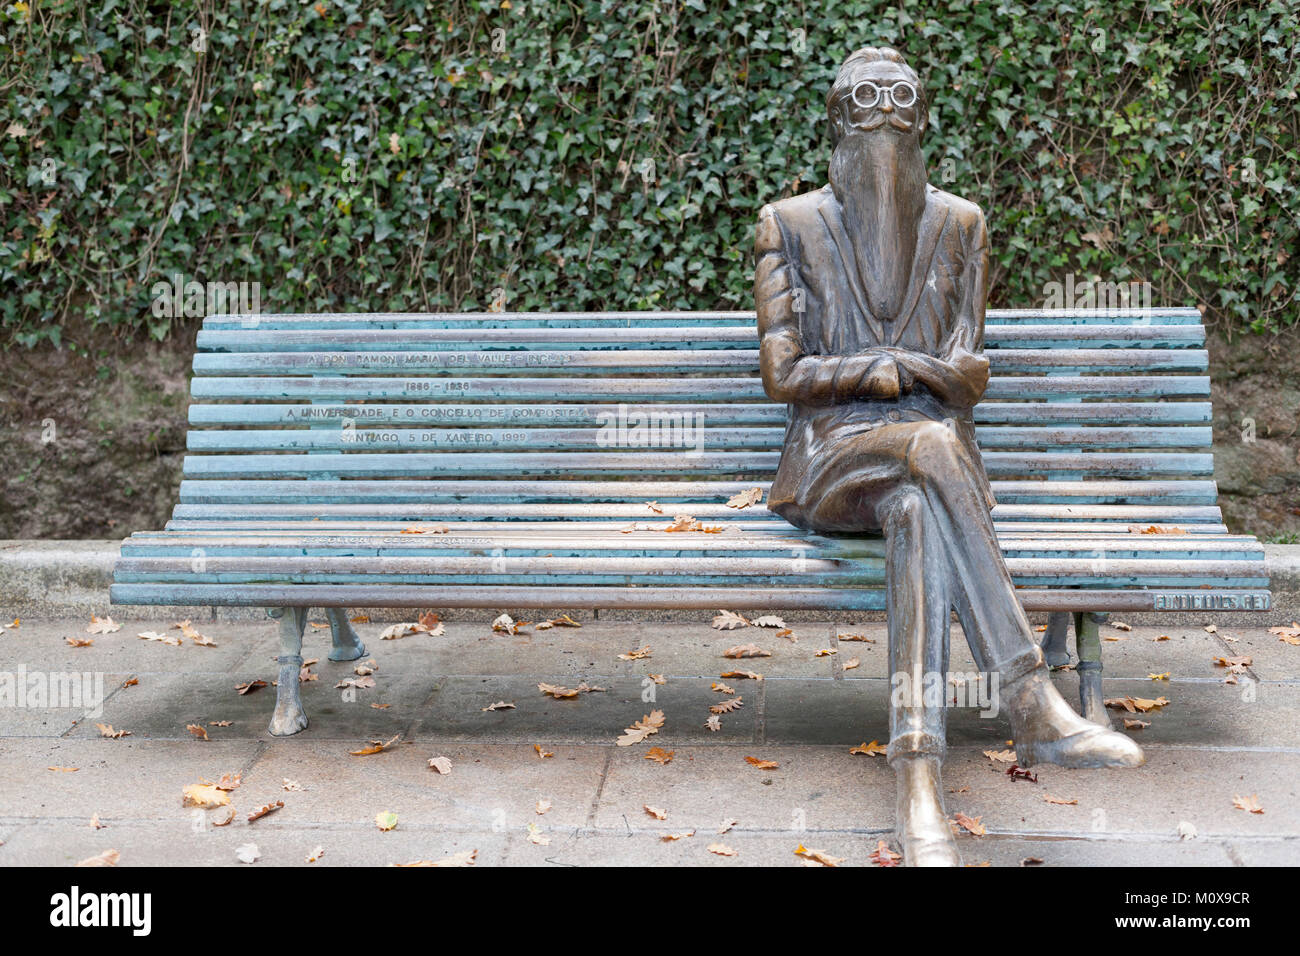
x=670, y=319
x=688, y=598
x=713, y=463
x=398, y=491
x=715, y=510
x=340, y=388
x=682, y=361
x=754, y=413
x=677, y=338
x=568, y=439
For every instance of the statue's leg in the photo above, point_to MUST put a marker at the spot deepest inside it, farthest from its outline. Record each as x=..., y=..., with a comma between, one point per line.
x=347, y=643
x=289, y=717
x=1058, y=630
x=1087, y=644
x=1046, y=729
x=919, y=609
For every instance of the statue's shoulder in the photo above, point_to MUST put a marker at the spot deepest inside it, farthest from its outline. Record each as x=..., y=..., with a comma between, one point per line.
x=796, y=210
x=964, y=211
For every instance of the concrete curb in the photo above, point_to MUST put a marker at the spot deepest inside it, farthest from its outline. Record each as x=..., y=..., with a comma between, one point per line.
x=56, y=578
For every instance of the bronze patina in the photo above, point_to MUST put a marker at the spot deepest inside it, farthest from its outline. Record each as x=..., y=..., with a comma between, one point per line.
x=870, y=294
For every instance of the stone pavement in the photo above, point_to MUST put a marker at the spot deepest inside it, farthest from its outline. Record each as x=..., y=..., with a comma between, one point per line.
x=1212, y=742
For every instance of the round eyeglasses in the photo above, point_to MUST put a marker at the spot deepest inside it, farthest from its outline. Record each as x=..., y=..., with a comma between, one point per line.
x=867, y=94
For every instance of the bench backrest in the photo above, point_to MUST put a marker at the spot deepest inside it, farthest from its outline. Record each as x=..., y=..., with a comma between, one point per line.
x=1108, y=411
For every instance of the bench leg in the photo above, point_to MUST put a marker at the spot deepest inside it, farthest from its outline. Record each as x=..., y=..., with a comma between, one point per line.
x=347, y=644
x=1087, y=644
x=289, y=717
x=1058, y=630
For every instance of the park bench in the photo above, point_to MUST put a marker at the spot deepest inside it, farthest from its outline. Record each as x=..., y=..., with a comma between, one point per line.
x=507, y=461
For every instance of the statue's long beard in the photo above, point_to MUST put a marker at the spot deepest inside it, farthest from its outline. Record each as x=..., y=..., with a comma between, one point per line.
x=879, y=179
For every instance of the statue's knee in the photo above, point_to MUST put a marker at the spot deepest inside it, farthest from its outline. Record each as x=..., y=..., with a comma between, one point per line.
x=932, y=449
x=903, y=510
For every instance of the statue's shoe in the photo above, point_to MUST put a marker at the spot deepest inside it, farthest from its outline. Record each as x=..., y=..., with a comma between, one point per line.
x=921, y=824
x=1047, y=730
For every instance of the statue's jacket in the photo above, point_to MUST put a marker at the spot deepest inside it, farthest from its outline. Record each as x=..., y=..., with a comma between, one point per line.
x=814, y=316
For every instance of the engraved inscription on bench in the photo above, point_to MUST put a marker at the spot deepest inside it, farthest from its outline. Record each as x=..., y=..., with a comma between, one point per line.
x=1211, y=601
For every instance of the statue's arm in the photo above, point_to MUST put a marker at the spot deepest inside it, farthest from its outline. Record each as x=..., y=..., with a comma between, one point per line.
x=959, y=374
x=789, y=373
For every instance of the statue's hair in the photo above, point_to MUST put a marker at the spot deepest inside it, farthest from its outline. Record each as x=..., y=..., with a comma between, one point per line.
x=848, y=76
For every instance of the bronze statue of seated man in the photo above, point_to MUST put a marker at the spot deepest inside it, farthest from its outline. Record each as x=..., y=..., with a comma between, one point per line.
x=870, y=295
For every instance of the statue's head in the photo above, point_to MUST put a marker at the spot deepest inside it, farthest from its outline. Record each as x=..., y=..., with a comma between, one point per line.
x=876, y=93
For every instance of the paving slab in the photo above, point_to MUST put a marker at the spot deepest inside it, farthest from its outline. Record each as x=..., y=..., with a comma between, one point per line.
x=490, y=786
x=457, y=711
x=172, y=844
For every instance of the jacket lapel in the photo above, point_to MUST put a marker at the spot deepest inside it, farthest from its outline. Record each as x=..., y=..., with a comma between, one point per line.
x=830, y=212
x=927, y=237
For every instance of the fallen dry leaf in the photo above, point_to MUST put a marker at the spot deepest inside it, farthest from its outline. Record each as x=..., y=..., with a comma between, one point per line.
x=768, y=620
x=291, y=786
x=464, y=858
x=721, y=849
x=1135, y=704
x=659, y=755
x=542, y=807
x=1164, y=676
x=204, y=796
x=820, y=857
x=884, y=856
x=1249, y=804
x=229, y=781
x=375, y=747
x=249, y=687
x=95, y=823
x=745, y=650
x=1121, y=626
x=247, y=853
x=673, y=837
x=722, y=688
x=639, y=654
x=441, y=764
x=657, y=812
x=762, y=764
x=1016, y=772
x=386, y=820
x=746, y=498
x=856, y=637
x=426, y=529
x=1001, y=756
x=536, y=836
x=64, y=769
x=1211, y=629
x=1132, y=723
x=107, y=858
x=852, y=663
x=728, y=621
x=359, y=683
x=727, y=706
x=315, y=854
x=197, y=731
x=1061, y=801
x=265, y=809
x=104, y=625
x=714, y=723
x=160, y=638
x=542, y=754
x=740, y=675
x=505, y=624
x=641, y=729
x=499, y=705
x=562, y=621
x=873, y=749
x=559, y=693
x=971, y=825
x=106, y=730
x=1289, y=635
x=826, y=652
x=79, y=641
